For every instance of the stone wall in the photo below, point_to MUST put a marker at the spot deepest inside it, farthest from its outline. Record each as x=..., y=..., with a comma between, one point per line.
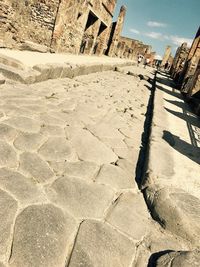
x=31, y=20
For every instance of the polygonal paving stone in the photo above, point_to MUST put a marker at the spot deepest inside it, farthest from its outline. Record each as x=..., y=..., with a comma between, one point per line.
x=34, y=166
x=89, y=148
x=8, y=209
x=80, y=169
x=104, y=130
x=53, y=130
x=177, y=210
x=115, y=177
x=57, y=149
x=179, y=259
x=29, y=141
x=2, y=265
x=131, y=216
x=24, y=124
x=83, y=200
x=99, y=245
x=8, y=156
x=20, y=186
x=50, y=120
x=7, y=132
x=42, y=237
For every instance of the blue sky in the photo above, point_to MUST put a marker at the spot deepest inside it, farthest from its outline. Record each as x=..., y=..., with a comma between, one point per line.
x=161, y=22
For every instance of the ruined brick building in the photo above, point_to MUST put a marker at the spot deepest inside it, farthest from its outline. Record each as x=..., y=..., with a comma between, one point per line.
x=80, y=26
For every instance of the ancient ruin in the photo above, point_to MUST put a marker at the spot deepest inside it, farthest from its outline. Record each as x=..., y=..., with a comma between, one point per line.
x=83, y=27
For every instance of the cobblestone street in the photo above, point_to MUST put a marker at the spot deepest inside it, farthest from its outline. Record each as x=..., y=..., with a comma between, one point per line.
x=69, y=150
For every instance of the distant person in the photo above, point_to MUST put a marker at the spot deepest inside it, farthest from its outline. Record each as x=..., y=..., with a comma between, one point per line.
x=139, y=60
x=146, y=62
x=166, y=66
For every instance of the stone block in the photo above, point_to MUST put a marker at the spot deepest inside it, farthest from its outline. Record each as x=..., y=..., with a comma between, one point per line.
x=8, y=209
x=42, y=237
x=176, y=210
x=8, y=156
x=98, y=245
x=9, y=61
x=179, y=259
x=83, y=200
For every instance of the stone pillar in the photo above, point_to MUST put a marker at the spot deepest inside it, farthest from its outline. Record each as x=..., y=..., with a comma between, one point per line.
x=118, y=30
x=166, y=55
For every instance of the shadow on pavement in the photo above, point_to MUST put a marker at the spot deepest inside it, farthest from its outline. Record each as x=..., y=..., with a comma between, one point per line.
x=186, y=117
x=182, y=147
x=172, y=93
x=154, y=257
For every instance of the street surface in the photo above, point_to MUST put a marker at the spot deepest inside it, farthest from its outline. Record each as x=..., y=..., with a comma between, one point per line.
x=68, y=155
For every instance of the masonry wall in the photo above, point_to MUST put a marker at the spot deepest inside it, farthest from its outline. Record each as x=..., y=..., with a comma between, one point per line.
x=31, y=20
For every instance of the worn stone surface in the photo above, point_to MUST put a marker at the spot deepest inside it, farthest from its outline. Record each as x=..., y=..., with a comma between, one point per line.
x=57, y=149
x=89, y=148
x=131, y=216
x=35, y=167
x=23, y=124
x=83, y=200
x=41, y=237
x=8, y=209
x=176, y=210
x=8, y=156
x=29, y=141
x=7, y=132
x=115, y=176
x=98, y=244
x=181, y=258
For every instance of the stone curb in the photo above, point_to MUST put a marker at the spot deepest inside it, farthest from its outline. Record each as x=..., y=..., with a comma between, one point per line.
x=43, y=72
x=175, y=209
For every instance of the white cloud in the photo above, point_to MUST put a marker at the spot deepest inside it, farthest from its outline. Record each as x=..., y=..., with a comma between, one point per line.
x=177, y=40
x=155, y=35
x=156, y=24
x=134, y=31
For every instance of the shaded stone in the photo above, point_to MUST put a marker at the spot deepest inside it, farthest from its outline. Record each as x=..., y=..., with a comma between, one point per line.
x=57, y=149
x=82, y=199
x=115, y=177
x=36, y=167
x=80, y=169
x=131, y=216
x=20, y=186
x=24, y=124
x=8, y=209
x=8, y=156
x=42, y=237
x=176, y=210
x=29, y=142
x=98, y=244
x=89, y=148
x=179, y=259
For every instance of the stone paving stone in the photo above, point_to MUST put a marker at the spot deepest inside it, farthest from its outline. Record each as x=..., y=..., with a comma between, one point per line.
x=42, y=237
x=20, y=186
x=176, y=210
x=115, y=177
x=131, y=216
x=7, y=132
x=24, y=124
x=83, y=200
x=35, y=166
x=179, y=259
x=80, y=169
x=52, y=130
x=47, y=119
x=99, y=245
x=57, y=149
x=127, y=166
x=8, y=209
x=8, y=156
x=104, y=130
x=89, y=148
x=2, y=265
x=29, y=141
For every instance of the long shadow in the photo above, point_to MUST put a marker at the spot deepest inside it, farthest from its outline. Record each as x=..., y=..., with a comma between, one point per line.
x=182, y=147
x=186, y=117
x=179, y=104
x=154, y=257
x=172, y=93
x=166, y=81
